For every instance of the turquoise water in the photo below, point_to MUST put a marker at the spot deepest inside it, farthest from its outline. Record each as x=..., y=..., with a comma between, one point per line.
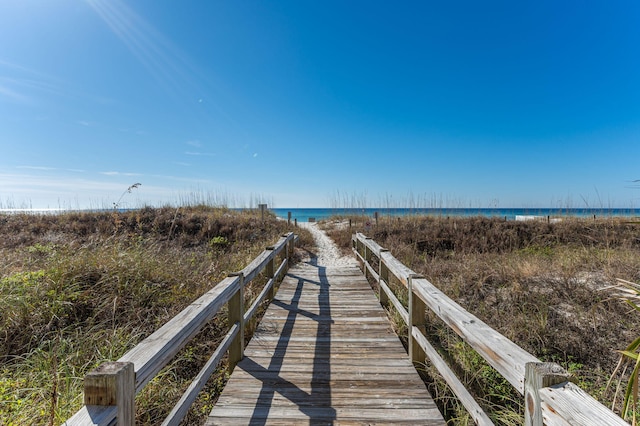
x=303, y=215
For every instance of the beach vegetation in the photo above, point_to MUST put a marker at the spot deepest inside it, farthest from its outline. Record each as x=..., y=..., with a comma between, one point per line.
x=628, y=292
x=78, y=289
x=539, y=283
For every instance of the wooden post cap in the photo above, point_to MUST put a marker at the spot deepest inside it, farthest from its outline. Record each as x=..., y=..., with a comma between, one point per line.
x=102, y=385
x=540, y=375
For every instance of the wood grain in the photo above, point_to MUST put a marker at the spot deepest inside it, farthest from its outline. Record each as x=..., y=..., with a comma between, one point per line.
x=325, y=353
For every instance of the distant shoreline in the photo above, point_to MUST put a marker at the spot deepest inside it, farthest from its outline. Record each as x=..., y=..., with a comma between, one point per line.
x=303, y=214
x=318, y=213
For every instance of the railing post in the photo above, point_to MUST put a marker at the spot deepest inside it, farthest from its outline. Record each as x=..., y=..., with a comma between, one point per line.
x=539, y=375
x=290, y=247
x=236, y=315
x=358, y=247
x=417, y=314
x=113, y=383
x=269, y=271
x=383, y=275
x=365, y=256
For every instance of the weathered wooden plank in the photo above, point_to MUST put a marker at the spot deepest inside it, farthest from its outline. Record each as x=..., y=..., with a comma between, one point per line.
x=343, y=354
x=293, y=414
x=259, y=263
x=367, y=387
x=561, y=404
x=113, y=384
x=394, y=301
x=339, y=396
x=93, y=415
x=568, y=404
x=336, y=388
x=540, y=375
x=302, y=375
x=385, y=401
x=259, y=299
x=473, y=408
x=325, y=352
x=501, y=353
x=153, y=353
x=181, y=408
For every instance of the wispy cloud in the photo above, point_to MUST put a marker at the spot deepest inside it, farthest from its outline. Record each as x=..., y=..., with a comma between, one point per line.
x=112, y=173
x=51, y=190
x=45, y=168
x=45, y=190
x=200, y=154
x=195, y=181
x=15, y=96
x=24, y=85
x=134, y=131
x=195, y=143
x=164, y=61
x=36, y=168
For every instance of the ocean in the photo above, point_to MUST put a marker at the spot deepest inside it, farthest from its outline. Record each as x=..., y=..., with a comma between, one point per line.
x=303, y=214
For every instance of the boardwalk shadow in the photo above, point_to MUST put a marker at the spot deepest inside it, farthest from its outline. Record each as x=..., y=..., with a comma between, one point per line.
x=313, y=258
x=315, y=404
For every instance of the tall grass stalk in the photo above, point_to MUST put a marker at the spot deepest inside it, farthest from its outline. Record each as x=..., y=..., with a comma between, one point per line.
x=630, y=356
x=537, y=283
x=77, y=291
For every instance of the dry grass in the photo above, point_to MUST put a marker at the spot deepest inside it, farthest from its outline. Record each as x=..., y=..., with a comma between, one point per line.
x=81, y=288
x=540, y=284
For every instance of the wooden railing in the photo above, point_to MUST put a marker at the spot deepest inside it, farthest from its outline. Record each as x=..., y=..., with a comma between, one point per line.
x=550, y=397
x=109, y=390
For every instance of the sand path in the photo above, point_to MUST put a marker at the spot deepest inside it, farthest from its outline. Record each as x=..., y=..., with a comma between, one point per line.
x=327, y=253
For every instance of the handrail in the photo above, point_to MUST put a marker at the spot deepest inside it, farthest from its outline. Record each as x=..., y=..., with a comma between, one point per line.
x=154, y=353
x=549, y=396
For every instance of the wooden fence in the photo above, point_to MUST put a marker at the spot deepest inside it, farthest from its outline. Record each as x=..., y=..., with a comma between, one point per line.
x=550, y=397
x=109, y=390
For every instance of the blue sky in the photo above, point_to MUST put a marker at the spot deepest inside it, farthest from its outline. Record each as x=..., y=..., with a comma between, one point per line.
x=305, y=103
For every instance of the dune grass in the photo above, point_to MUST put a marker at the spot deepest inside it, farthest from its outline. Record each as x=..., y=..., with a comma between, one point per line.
x=542, y=285
x=79, y=289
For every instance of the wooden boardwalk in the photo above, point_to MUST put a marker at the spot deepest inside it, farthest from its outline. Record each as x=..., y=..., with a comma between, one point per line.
x=325, y=353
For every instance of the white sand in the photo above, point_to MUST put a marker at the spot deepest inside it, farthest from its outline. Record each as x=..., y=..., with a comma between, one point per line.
x=327, y=253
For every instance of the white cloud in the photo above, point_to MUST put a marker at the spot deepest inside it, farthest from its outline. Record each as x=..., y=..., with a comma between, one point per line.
x=36, y=168
x=48, y=169
x=195, y=143
x=22, y=84
x=111, y=173
x=12, y=94
x=199, y=154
